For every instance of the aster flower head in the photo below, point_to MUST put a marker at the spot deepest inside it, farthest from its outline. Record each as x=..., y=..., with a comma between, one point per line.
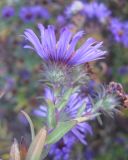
x=116, y=27
x=60, y=56
x=63, y=50
x=123, y=70
x=8, y=11
x=97, y=10
x=119, y=30
x=60, y=20
x=89, y=10
x=102, y=12
x=125, y=35
x=70, y=111
x=62, y=149
x=27, y=14
x=41, y=12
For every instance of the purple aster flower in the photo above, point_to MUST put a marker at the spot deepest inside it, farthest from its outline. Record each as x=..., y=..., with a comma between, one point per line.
x=89, y=154
x=27, y=14
x=8, y=11
x=125, y=35
x=116, y=27
x=97, y=10
x=24, y=74
x=61, y=21
x=63, y=50
x=10, y=84
x=120, y=140
x=41, y=12
x=102, y=12
x=89, y=10
x=69, y=112
x=62, y=149
x=123, y=70
x=75, y=102
x=119, y=30
x=22, y=119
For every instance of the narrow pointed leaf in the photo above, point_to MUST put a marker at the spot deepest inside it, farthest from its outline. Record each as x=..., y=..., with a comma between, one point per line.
x=30, y=123
x=60, y=131
x=66, y=97
x=51, y=117
x=37, y=145
x=81, y=109
x=15, y=153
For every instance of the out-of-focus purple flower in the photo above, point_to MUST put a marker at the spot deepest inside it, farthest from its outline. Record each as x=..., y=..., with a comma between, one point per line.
x=70, y=112
x=30, y=13
x=62, y=149
x=97, y=10
x=61, y=21
x=120, y=140
x=27, y=14
x=24, y=74
x=41, y=12
x=123, y=70
x=22, y=119
x=102, y=12
x=89, y=10
x=116, y=27
x=125, y=35
x=74, y=8
x=10, y=83
x=89, y=155
x=63, y=50
x=119, y=30
x=8, y=11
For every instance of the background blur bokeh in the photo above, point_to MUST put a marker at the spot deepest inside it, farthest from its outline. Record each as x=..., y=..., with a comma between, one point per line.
x=20, y=68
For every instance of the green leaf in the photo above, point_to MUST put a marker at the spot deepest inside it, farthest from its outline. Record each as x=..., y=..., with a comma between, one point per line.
x=51, y=117
x=37, y=146
x=30, y=123
x=81, y=109
x=66, y=97
x=60, y=131
x=15, y=153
